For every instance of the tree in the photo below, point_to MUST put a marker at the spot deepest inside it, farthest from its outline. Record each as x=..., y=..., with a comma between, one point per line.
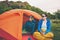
x=57, y=14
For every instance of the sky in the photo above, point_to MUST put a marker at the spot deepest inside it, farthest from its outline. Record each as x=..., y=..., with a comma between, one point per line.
x=46, y=5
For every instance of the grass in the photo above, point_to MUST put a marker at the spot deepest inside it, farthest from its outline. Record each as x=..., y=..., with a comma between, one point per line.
x=56, y=30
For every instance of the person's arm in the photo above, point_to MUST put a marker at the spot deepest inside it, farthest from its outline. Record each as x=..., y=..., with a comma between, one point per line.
x=34, y=24
x=48, y=26
x=39, y=25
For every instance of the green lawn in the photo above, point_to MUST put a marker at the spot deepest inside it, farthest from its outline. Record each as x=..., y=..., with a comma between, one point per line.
x=56, y=30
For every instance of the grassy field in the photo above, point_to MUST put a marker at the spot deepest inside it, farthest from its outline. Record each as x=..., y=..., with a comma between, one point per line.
x=56, y=30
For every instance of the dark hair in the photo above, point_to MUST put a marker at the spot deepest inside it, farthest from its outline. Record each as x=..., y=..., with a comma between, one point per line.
x=45, y=15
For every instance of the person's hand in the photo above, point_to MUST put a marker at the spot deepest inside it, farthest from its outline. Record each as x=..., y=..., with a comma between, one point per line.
x=43, y=30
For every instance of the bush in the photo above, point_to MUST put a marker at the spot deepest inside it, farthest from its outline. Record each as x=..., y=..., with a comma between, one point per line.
x=56, y=21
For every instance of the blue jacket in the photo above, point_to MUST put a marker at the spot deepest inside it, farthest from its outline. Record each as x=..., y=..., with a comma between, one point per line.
x=48, y=25
x=29, y=26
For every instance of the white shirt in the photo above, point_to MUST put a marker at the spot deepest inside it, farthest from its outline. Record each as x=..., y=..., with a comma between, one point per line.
x=44, y=26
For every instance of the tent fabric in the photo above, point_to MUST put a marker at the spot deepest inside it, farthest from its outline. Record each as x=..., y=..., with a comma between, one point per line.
x=11, y=23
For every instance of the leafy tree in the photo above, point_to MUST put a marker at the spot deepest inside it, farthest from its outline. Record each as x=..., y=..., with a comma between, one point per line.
x=57, y=14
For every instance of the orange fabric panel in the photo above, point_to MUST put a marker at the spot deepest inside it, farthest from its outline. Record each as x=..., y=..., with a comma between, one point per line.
x=20, y=26
x=31, y=13
x=10, y=24
x=27, y=12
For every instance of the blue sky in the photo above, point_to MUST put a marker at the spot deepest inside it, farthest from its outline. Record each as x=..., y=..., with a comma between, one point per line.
x=45, y=5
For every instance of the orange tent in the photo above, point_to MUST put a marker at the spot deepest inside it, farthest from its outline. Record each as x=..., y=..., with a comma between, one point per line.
x=11, y=23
